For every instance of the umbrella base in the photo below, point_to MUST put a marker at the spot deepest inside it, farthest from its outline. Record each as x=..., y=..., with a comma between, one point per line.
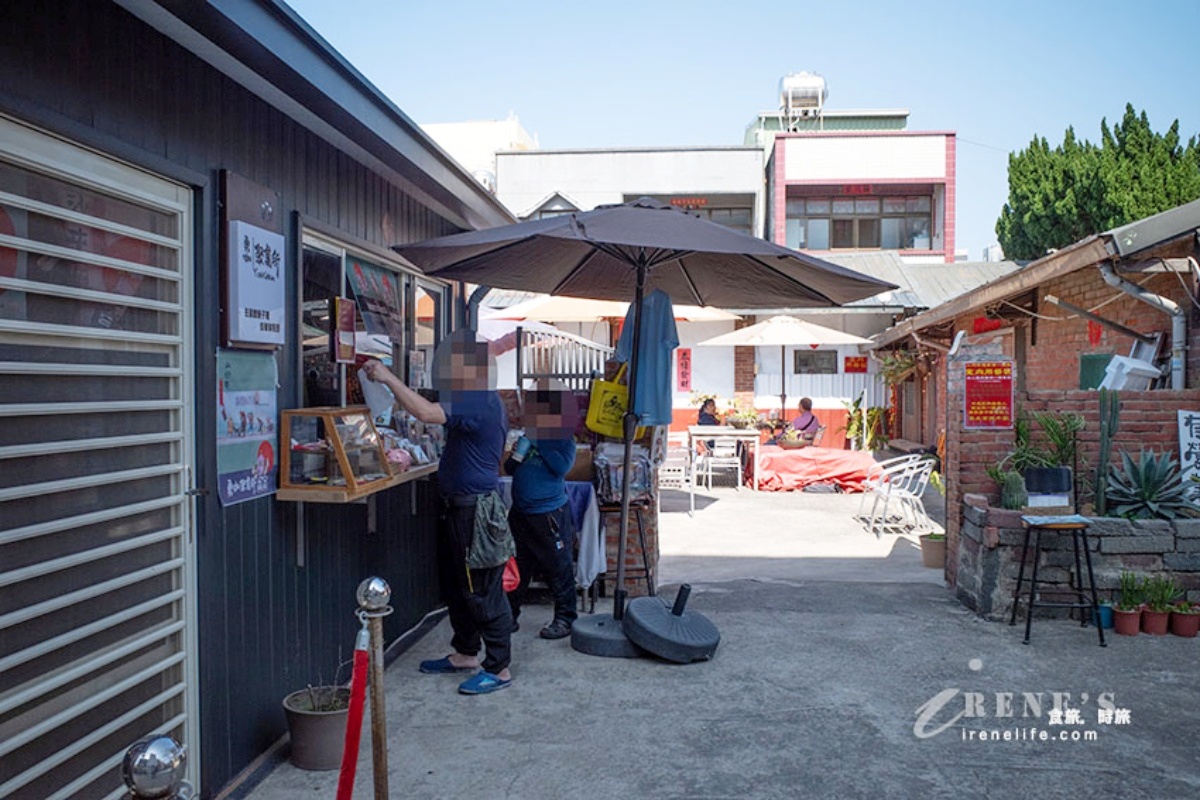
x=601, y=635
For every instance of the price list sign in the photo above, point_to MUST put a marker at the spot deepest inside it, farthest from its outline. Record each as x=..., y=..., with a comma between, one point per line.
x=988, y=397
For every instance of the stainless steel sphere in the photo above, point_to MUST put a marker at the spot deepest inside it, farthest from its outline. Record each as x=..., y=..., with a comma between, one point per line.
x=374, y=594
x=154, y=766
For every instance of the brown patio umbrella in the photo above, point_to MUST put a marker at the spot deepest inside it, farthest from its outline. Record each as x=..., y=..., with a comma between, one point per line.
x=622, y=251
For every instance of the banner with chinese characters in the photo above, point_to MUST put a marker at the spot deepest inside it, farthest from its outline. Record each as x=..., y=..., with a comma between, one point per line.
x=345, y=326
x=256, y=286
x=683, y=370
x=247, y=414
x=855, y=364
x=1189, y=453
x=988, y=396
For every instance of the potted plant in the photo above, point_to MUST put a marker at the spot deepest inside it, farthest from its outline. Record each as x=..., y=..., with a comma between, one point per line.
x=1185, y=619
x=1161, y=592
x=1127, y=613
x=1149, y=488
x=1055, y=475
x=316, y=718
x=933, y=550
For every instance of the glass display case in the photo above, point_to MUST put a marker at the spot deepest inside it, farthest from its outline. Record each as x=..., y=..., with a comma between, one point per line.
x=331, y=455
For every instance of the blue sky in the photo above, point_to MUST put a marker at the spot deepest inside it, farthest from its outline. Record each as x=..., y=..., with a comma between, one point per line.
x=633, y=73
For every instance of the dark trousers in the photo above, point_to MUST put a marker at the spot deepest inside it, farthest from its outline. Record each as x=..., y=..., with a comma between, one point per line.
x=544, y=545
x=475, y=598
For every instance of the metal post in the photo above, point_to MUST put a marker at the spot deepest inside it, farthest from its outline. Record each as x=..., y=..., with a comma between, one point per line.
x=154, y=768
x=373, y=597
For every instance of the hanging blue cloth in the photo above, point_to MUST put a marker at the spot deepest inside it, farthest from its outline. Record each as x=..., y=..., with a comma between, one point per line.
x=658, y=341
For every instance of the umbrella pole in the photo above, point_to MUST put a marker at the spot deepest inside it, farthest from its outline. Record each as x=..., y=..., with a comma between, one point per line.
x=783, y=382
x=630, y=429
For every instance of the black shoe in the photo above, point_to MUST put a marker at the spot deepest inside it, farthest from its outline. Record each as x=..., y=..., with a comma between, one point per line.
x=558, y=629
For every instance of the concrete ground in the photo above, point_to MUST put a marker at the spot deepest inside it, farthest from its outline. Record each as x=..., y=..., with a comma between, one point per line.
x=845, y=670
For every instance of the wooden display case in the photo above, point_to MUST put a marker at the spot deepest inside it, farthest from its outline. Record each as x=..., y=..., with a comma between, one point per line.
x=332, y=455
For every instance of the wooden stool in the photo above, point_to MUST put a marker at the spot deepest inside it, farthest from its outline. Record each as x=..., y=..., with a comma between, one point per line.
x=645, y=573
x=1077, y=526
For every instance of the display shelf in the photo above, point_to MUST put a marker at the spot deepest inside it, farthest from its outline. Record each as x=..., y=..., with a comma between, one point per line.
x=335, y=455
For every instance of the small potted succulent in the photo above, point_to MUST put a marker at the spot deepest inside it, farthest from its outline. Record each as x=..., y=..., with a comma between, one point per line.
x=1185, y=619
x=1127, y=613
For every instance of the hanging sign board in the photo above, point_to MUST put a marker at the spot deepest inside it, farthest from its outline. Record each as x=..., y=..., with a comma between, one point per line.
x=345, y=327
x=256, y=285
x=377, y=291
x=988, y=395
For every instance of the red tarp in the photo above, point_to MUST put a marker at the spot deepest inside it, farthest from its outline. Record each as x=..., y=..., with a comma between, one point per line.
x=783, y=470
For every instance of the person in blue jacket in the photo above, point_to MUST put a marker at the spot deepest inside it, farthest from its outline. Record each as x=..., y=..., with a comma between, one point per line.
x=540, y=518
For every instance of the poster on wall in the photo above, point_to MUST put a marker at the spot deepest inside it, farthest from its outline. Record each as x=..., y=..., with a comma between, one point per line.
x=345, y=316
x=247, y=422
x=988, y=395
x=377, y=291
x=256, y=286
x=855, y=364
x=683, y=370
x=1189, y=454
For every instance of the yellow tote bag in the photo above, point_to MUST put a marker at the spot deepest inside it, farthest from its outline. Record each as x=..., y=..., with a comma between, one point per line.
x=607, y=406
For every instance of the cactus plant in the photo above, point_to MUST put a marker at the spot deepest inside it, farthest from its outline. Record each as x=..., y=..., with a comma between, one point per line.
x=1012, y=491
x=1110, y=411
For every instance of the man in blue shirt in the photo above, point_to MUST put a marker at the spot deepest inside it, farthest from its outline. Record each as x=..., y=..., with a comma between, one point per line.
x=476, y=426
x=541, y=518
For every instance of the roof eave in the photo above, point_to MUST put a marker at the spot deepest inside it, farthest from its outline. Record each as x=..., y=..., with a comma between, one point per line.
x=268, y=49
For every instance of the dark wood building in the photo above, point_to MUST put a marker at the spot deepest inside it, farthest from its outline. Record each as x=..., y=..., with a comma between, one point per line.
x=135, y=597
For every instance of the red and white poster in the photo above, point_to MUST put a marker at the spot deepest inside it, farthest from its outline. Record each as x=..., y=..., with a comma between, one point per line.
x=988, y=395
x=683, y=370
x=855, y=364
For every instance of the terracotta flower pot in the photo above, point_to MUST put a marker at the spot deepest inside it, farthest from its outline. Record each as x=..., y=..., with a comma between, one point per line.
x=1127, y=623
x=1186, y=625
x=933, y=551
x=1155, y=622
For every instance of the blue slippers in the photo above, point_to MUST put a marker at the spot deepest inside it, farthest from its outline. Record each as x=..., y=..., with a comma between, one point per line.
x=442, y=666
x=483, y=683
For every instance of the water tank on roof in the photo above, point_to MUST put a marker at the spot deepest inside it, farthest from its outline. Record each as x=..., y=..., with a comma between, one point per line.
x=802, y=91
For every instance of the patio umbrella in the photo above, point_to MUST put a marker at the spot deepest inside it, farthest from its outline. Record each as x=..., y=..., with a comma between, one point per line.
x=560, y=308
x=783, y=331
x=619, y=252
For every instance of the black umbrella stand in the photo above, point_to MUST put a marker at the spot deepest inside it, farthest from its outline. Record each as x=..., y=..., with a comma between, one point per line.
x=600, y=635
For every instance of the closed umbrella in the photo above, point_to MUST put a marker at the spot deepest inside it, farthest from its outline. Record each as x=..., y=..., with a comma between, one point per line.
x=620, y=252
x=784, y=331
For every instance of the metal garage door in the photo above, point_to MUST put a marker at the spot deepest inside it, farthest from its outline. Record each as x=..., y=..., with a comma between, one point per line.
x=95, y=452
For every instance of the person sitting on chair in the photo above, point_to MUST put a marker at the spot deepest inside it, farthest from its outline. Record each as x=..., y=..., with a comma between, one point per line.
x=708, y=416
x=807, y=423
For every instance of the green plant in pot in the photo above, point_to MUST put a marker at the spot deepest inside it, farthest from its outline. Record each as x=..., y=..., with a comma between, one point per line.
x=1056, y=474
x=933, y=550
x=1127, y=613
x=1185, y=619
x=1150, y=487
x=1161, y=592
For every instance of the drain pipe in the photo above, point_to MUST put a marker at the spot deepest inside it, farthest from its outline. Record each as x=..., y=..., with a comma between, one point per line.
x=1178, y=318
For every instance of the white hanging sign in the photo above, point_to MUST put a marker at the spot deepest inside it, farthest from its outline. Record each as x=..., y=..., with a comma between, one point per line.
x=256, y=285
x=1189, y=453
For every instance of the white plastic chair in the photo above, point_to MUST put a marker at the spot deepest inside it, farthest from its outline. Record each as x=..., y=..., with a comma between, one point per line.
x=910, y=494
x=722, y=455
x=879, y=474
x=889, y=491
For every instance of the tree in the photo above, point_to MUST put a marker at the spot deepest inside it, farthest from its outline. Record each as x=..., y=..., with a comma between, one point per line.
x=1058, y=196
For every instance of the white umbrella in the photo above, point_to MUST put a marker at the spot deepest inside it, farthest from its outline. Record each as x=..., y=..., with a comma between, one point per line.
x=561, y=308
x=783, y=331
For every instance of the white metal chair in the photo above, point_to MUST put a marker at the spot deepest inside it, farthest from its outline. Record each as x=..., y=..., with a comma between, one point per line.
x=889, y=488
x=674, y=472
x=878, y=475
x=722, y=455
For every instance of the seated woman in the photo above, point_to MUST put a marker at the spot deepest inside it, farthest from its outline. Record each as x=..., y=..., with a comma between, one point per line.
x=708, y=416
x=807, y=423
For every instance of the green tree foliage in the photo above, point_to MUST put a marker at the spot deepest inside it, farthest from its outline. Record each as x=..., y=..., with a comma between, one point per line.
x=1058, y=196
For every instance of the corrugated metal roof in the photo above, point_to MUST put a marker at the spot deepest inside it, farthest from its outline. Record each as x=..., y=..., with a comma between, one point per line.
x=921, y=285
